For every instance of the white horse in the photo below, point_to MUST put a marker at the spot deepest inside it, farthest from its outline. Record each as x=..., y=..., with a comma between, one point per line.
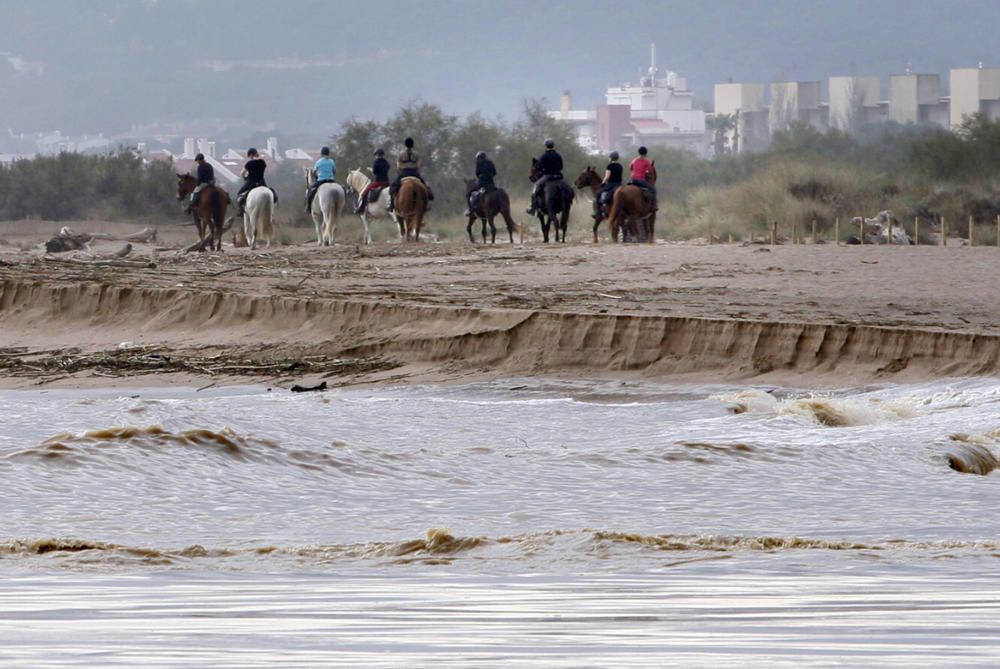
x=356, y=182
x=257, y=216
x=327, y=206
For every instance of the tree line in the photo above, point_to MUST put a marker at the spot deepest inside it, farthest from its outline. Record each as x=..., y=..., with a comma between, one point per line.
x=72, y=186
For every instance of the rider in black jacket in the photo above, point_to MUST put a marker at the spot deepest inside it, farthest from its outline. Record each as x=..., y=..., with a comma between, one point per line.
x=550, y=164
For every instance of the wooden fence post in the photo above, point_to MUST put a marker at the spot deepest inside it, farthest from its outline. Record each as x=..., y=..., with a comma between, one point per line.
x=916, y=230
x=836, y=229
x=861, y=229
x=890, y=231
x=815, y=238
x=944, y=233
x=972, y=240
x=774, y=232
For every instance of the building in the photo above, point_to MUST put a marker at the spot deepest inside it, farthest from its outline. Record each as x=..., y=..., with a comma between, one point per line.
x=855, y=101
x=659, y=110
x=748, y=106
x=797, y=102
x=916, y=98
x=974, y=90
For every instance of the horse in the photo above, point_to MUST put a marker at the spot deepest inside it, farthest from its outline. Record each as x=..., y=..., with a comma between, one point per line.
x=411, y=205
x=555, y=200
x=210, y=212
x=326, y=208
x=632, y=214
x=491, y=203
x=257, y=216
x=590, y=179
x=356, y=182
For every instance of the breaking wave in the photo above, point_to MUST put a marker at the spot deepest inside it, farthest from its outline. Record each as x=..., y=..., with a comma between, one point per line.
x=828, y=411
x=440, y=546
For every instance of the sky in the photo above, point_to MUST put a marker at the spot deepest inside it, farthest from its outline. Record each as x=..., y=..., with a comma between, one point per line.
x=303, y=66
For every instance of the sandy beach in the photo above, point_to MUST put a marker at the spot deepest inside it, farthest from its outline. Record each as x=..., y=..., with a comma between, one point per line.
x=823, y=314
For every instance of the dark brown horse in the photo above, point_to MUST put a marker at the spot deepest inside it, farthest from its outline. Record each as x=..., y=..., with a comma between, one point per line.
x=633, y=213
x=411, y=205
x=210, y=212
x=556, y=199
x=589, y=178
x=491, y=204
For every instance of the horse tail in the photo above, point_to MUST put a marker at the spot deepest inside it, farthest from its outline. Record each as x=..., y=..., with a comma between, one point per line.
x=505, y=210
x=218, y=209
x=266, y=219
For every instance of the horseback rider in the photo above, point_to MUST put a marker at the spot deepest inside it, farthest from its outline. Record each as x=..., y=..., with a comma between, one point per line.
x=380, y=174
x=408, y=165
x=640, y=168
x=206, y=177
x=253, y=176
x=486, y=171
x=324, y=172
x=609, y=184
x=550, y=164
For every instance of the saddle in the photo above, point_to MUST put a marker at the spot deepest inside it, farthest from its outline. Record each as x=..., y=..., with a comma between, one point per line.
x=374, y=194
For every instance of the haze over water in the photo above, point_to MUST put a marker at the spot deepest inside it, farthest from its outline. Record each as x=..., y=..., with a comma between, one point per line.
x=524, y=522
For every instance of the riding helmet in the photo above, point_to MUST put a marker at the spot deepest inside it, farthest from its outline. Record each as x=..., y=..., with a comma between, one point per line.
x=379, y=153
x=481, y=154
x=408, y=142
x=642, y=150
x=325, y=151
x=614, y=155
x=200, y=156
x=549, y=144
x=251, y=152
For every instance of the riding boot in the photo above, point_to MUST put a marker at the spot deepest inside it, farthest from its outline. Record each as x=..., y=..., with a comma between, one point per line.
x=362, y=204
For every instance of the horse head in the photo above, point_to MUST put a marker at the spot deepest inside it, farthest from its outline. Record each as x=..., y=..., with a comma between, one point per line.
x=356, y=180
x=309, y=176
x=588, y=177
x=533, y=175
x=469, y=183
x=185, y=185
x=651, y=174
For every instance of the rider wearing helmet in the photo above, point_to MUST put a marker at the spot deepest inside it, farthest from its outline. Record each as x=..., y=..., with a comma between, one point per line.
x=640, y=168
x=253, y=176
x=550, y=164
x=380, y=172
x=486, y=171
x=612, y=180
x=408, y=164
x=206, y=177
x=324, y=172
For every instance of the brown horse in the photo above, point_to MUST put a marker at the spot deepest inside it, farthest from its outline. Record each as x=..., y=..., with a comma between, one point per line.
x=491, y=204
x=556, y=199
x=210, y=212
x=589, y=178
x=411, y=205
x=633, y=213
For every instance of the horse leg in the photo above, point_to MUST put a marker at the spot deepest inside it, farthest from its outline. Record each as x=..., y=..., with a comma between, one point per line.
x=368, y=232
x=468, y=228
x=545, y=229
x=493, y=231
x=318, y=222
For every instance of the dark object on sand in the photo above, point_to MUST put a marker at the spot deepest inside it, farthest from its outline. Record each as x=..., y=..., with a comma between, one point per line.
x=308, y=389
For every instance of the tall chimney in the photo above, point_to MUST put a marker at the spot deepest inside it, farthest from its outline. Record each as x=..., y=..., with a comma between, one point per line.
x=210, y=149
x=565, y=104
x=272, y=148
x=188, y=148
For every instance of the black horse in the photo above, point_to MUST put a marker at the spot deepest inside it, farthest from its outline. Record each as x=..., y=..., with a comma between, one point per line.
x=556, y=199
x=492, y=203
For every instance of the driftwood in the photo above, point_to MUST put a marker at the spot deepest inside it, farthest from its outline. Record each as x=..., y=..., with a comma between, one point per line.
x=131, y=361
x=144, y=236
x=201, y=244
x=69, y=240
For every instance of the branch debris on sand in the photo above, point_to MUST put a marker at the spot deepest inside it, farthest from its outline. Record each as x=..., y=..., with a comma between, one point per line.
x=134, y=361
